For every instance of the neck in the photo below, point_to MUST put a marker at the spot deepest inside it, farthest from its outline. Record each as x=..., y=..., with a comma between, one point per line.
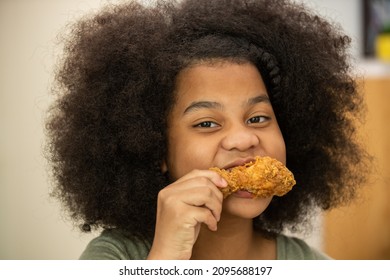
x=234, y=239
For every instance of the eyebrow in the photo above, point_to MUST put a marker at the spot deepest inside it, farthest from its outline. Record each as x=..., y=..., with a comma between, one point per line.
x=197, y=105
x=202, y=105
x=259, y=99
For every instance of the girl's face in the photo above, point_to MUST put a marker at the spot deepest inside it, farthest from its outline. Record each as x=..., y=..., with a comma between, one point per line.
x=222, y=117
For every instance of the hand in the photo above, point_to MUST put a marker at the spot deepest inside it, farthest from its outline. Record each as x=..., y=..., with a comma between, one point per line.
x=181, y=209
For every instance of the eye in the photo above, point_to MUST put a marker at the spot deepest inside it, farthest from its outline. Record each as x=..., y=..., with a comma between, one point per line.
x=258, y=119
x=206, y=124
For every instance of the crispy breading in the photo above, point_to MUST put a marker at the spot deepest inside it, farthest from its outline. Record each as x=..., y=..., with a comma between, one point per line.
x=263, y=177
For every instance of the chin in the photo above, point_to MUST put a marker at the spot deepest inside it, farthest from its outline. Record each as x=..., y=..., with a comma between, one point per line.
x=245, y=208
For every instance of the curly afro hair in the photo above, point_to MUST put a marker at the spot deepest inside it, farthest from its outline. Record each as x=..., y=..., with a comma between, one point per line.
x=115, y=87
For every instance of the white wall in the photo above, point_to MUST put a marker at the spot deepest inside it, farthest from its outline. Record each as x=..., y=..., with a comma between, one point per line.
x=31, y=225
x=347, y=13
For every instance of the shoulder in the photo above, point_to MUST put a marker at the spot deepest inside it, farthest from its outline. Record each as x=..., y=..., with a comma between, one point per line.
x=292, y=248
x=114, y=245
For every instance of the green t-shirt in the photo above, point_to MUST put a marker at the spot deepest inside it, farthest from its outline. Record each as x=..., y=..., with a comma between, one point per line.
x=113, y=245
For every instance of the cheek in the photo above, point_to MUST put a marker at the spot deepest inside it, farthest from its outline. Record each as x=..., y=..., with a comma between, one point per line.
x=185, y=154
x=277, y=146
x=280, y=152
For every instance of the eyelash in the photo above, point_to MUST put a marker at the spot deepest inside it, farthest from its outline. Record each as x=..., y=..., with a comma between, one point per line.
x=265, y=118
x=206, y=124
x=209, y=124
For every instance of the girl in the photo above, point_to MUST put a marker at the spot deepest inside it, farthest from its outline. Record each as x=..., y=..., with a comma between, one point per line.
x=151, y=97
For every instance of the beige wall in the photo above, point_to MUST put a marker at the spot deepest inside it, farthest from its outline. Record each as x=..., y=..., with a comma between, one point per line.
x=31, y=225
x=362, y=230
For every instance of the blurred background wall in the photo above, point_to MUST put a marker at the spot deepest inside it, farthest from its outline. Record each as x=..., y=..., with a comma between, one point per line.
x=32, y=225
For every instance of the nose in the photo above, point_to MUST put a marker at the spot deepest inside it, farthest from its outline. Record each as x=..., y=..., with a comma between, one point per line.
x=241, y=138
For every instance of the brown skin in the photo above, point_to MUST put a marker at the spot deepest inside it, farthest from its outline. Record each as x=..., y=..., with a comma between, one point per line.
x=222, y=117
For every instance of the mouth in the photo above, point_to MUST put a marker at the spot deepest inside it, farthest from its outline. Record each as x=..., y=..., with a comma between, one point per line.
x=243, y=194
x=262, y=177
x=238, y=162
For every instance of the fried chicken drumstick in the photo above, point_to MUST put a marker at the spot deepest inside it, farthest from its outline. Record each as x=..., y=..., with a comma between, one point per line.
x=263, y=177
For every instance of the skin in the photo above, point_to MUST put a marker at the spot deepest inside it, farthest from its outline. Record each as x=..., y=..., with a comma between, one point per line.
x=222, y=117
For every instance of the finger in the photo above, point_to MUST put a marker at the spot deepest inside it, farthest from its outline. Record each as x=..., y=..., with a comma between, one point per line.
x=214, y=206
x=202, y=192
x=213, y=176
x=203, y=215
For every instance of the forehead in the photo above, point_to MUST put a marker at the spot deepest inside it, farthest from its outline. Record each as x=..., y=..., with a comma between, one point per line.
x=219, y=79
x=222, y=86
